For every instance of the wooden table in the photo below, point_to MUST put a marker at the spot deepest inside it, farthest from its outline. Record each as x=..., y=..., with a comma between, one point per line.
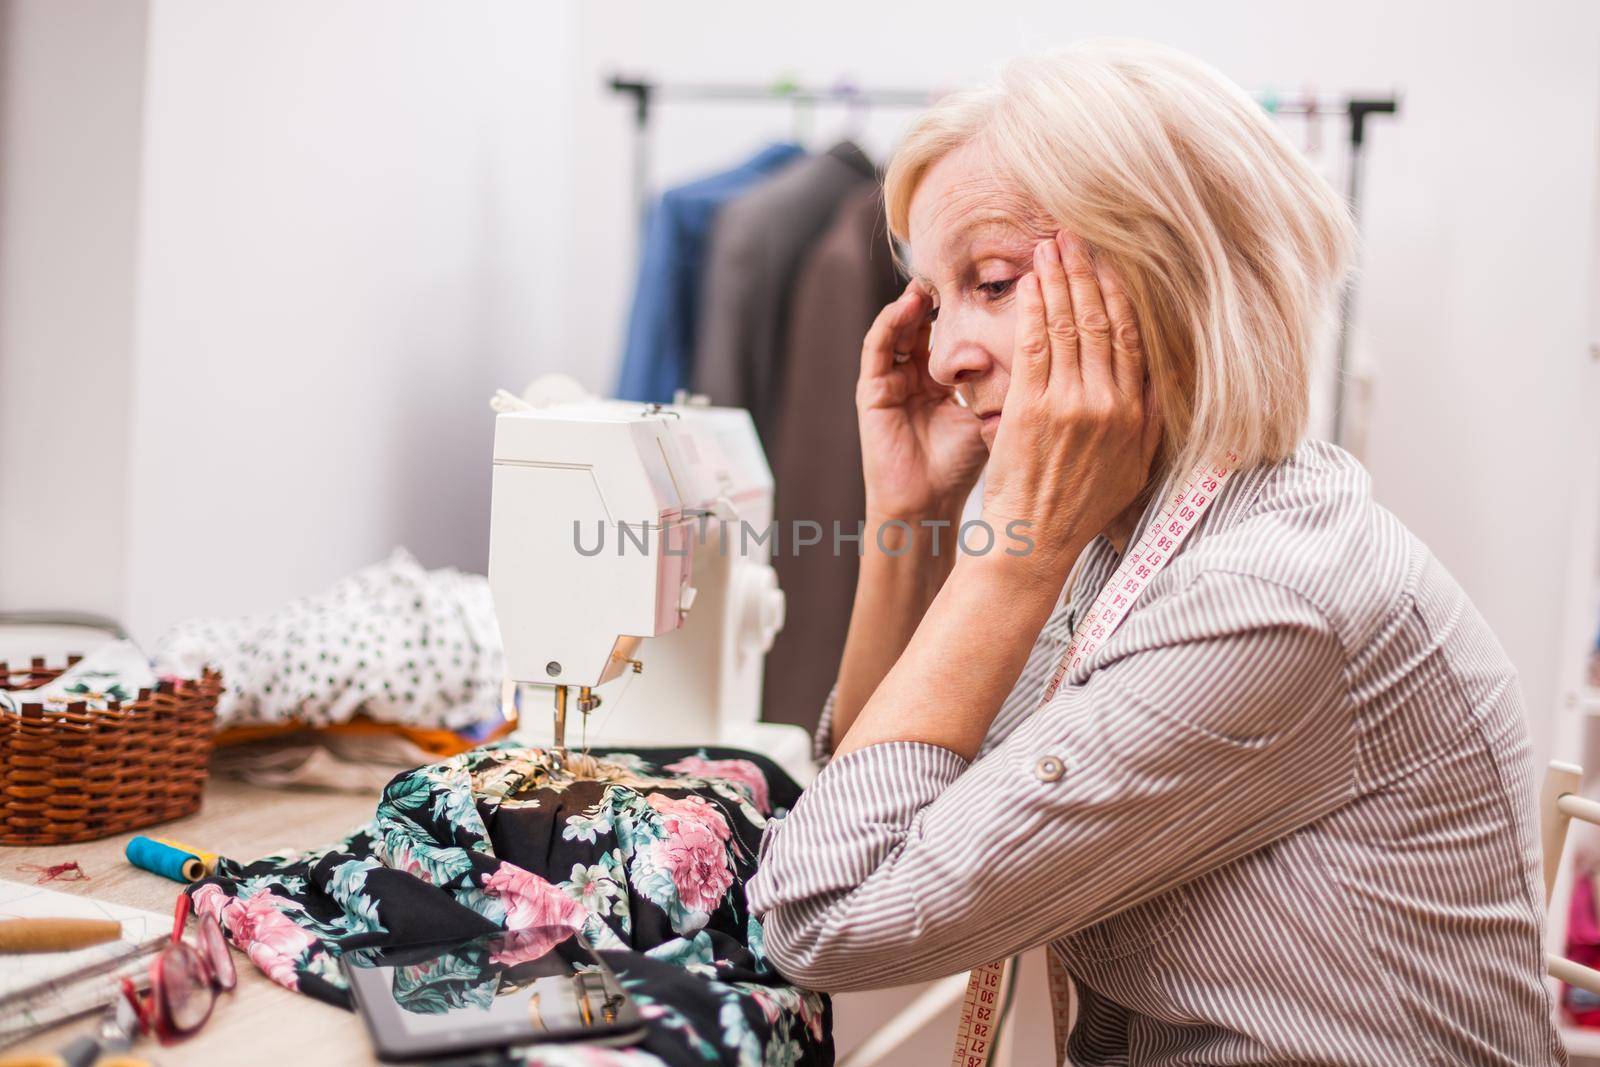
x=260, y=1022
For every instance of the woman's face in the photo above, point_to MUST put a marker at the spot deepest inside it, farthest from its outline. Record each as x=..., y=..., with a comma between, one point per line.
x=969, y=245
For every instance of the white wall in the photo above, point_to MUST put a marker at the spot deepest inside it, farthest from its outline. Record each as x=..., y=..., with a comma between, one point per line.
x=260, y=267
x=346, y=216
x=71, y=87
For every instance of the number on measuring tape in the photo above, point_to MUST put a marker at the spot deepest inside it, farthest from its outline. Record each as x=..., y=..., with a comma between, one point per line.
x=1138, y=569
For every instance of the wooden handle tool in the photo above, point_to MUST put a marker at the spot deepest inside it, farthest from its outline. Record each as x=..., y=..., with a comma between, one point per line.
x=55, y=935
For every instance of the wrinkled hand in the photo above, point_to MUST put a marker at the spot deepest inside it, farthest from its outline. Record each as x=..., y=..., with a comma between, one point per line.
x=921, y=451
x=1078, y=432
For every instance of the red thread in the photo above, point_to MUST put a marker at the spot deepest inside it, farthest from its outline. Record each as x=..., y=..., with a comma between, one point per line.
x=67, y=872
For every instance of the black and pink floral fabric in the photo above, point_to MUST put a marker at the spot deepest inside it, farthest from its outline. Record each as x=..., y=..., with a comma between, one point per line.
x=648, y=859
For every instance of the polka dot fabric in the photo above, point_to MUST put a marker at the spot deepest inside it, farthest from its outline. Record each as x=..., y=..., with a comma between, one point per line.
x=393, y=641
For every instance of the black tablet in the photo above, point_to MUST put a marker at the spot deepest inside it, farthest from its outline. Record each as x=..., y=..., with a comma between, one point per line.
x=514, y=988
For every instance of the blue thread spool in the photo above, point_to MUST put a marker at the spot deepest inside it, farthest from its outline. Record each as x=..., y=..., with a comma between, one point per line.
x=158, y=858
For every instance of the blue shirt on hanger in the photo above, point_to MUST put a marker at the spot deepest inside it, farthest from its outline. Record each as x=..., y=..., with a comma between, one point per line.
x=657, y=359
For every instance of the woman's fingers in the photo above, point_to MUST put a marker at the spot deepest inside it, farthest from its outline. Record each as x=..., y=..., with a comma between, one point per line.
x=1127, y=350
x=1047, y=267
x=877, y=354
x=893, y=331
x=1091, y=323
x=921, y=355
x=1030, y=359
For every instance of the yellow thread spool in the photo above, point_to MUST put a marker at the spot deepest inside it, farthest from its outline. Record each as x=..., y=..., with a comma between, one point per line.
x=207, y=858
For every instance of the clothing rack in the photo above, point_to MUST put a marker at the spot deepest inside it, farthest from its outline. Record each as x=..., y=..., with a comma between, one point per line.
x=1356, y=110
x=647, y=94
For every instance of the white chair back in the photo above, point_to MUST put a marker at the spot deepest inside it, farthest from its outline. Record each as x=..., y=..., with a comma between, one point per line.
x=1559, y=804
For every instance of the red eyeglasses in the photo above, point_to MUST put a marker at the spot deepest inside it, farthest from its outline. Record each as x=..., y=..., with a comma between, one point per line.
x=184, y=979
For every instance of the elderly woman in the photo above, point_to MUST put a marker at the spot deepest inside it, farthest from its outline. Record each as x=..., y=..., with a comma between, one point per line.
x=1283, y=813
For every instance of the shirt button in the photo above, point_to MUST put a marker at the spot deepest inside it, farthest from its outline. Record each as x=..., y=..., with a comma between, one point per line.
x=1049, y=769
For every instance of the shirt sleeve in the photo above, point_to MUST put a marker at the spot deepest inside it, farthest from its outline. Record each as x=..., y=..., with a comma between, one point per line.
x=1216, y=720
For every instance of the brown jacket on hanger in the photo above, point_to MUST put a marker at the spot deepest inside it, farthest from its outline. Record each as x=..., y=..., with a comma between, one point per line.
x=757, y=245
x=843, y=282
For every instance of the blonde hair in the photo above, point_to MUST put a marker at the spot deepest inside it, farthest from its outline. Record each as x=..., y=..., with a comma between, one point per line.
x=1231, y=247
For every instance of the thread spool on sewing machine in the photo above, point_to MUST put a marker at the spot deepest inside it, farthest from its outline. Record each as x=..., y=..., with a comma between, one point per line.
x=618, y=547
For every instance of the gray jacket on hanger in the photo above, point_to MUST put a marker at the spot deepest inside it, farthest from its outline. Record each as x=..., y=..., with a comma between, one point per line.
x=756, y=248
x=843, y=282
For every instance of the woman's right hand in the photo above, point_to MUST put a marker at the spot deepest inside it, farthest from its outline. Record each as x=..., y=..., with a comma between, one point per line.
x=921, y=451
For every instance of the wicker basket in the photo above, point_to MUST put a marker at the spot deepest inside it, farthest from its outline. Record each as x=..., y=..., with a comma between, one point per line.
x=80, y=773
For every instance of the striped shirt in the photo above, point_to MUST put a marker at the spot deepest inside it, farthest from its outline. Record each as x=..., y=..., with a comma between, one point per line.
x=1285, y=815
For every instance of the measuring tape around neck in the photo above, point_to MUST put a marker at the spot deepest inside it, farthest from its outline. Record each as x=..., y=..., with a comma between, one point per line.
x=978, y=1030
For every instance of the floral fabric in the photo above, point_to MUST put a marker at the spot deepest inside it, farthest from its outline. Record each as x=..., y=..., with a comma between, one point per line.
x=648, y=859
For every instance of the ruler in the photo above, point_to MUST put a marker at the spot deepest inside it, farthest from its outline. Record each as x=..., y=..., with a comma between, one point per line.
x=978, y=1030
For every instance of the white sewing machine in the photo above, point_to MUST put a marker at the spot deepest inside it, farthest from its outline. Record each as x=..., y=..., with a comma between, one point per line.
x=634, y=598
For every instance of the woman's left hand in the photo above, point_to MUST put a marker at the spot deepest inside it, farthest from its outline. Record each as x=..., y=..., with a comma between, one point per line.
x=1078, y=432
